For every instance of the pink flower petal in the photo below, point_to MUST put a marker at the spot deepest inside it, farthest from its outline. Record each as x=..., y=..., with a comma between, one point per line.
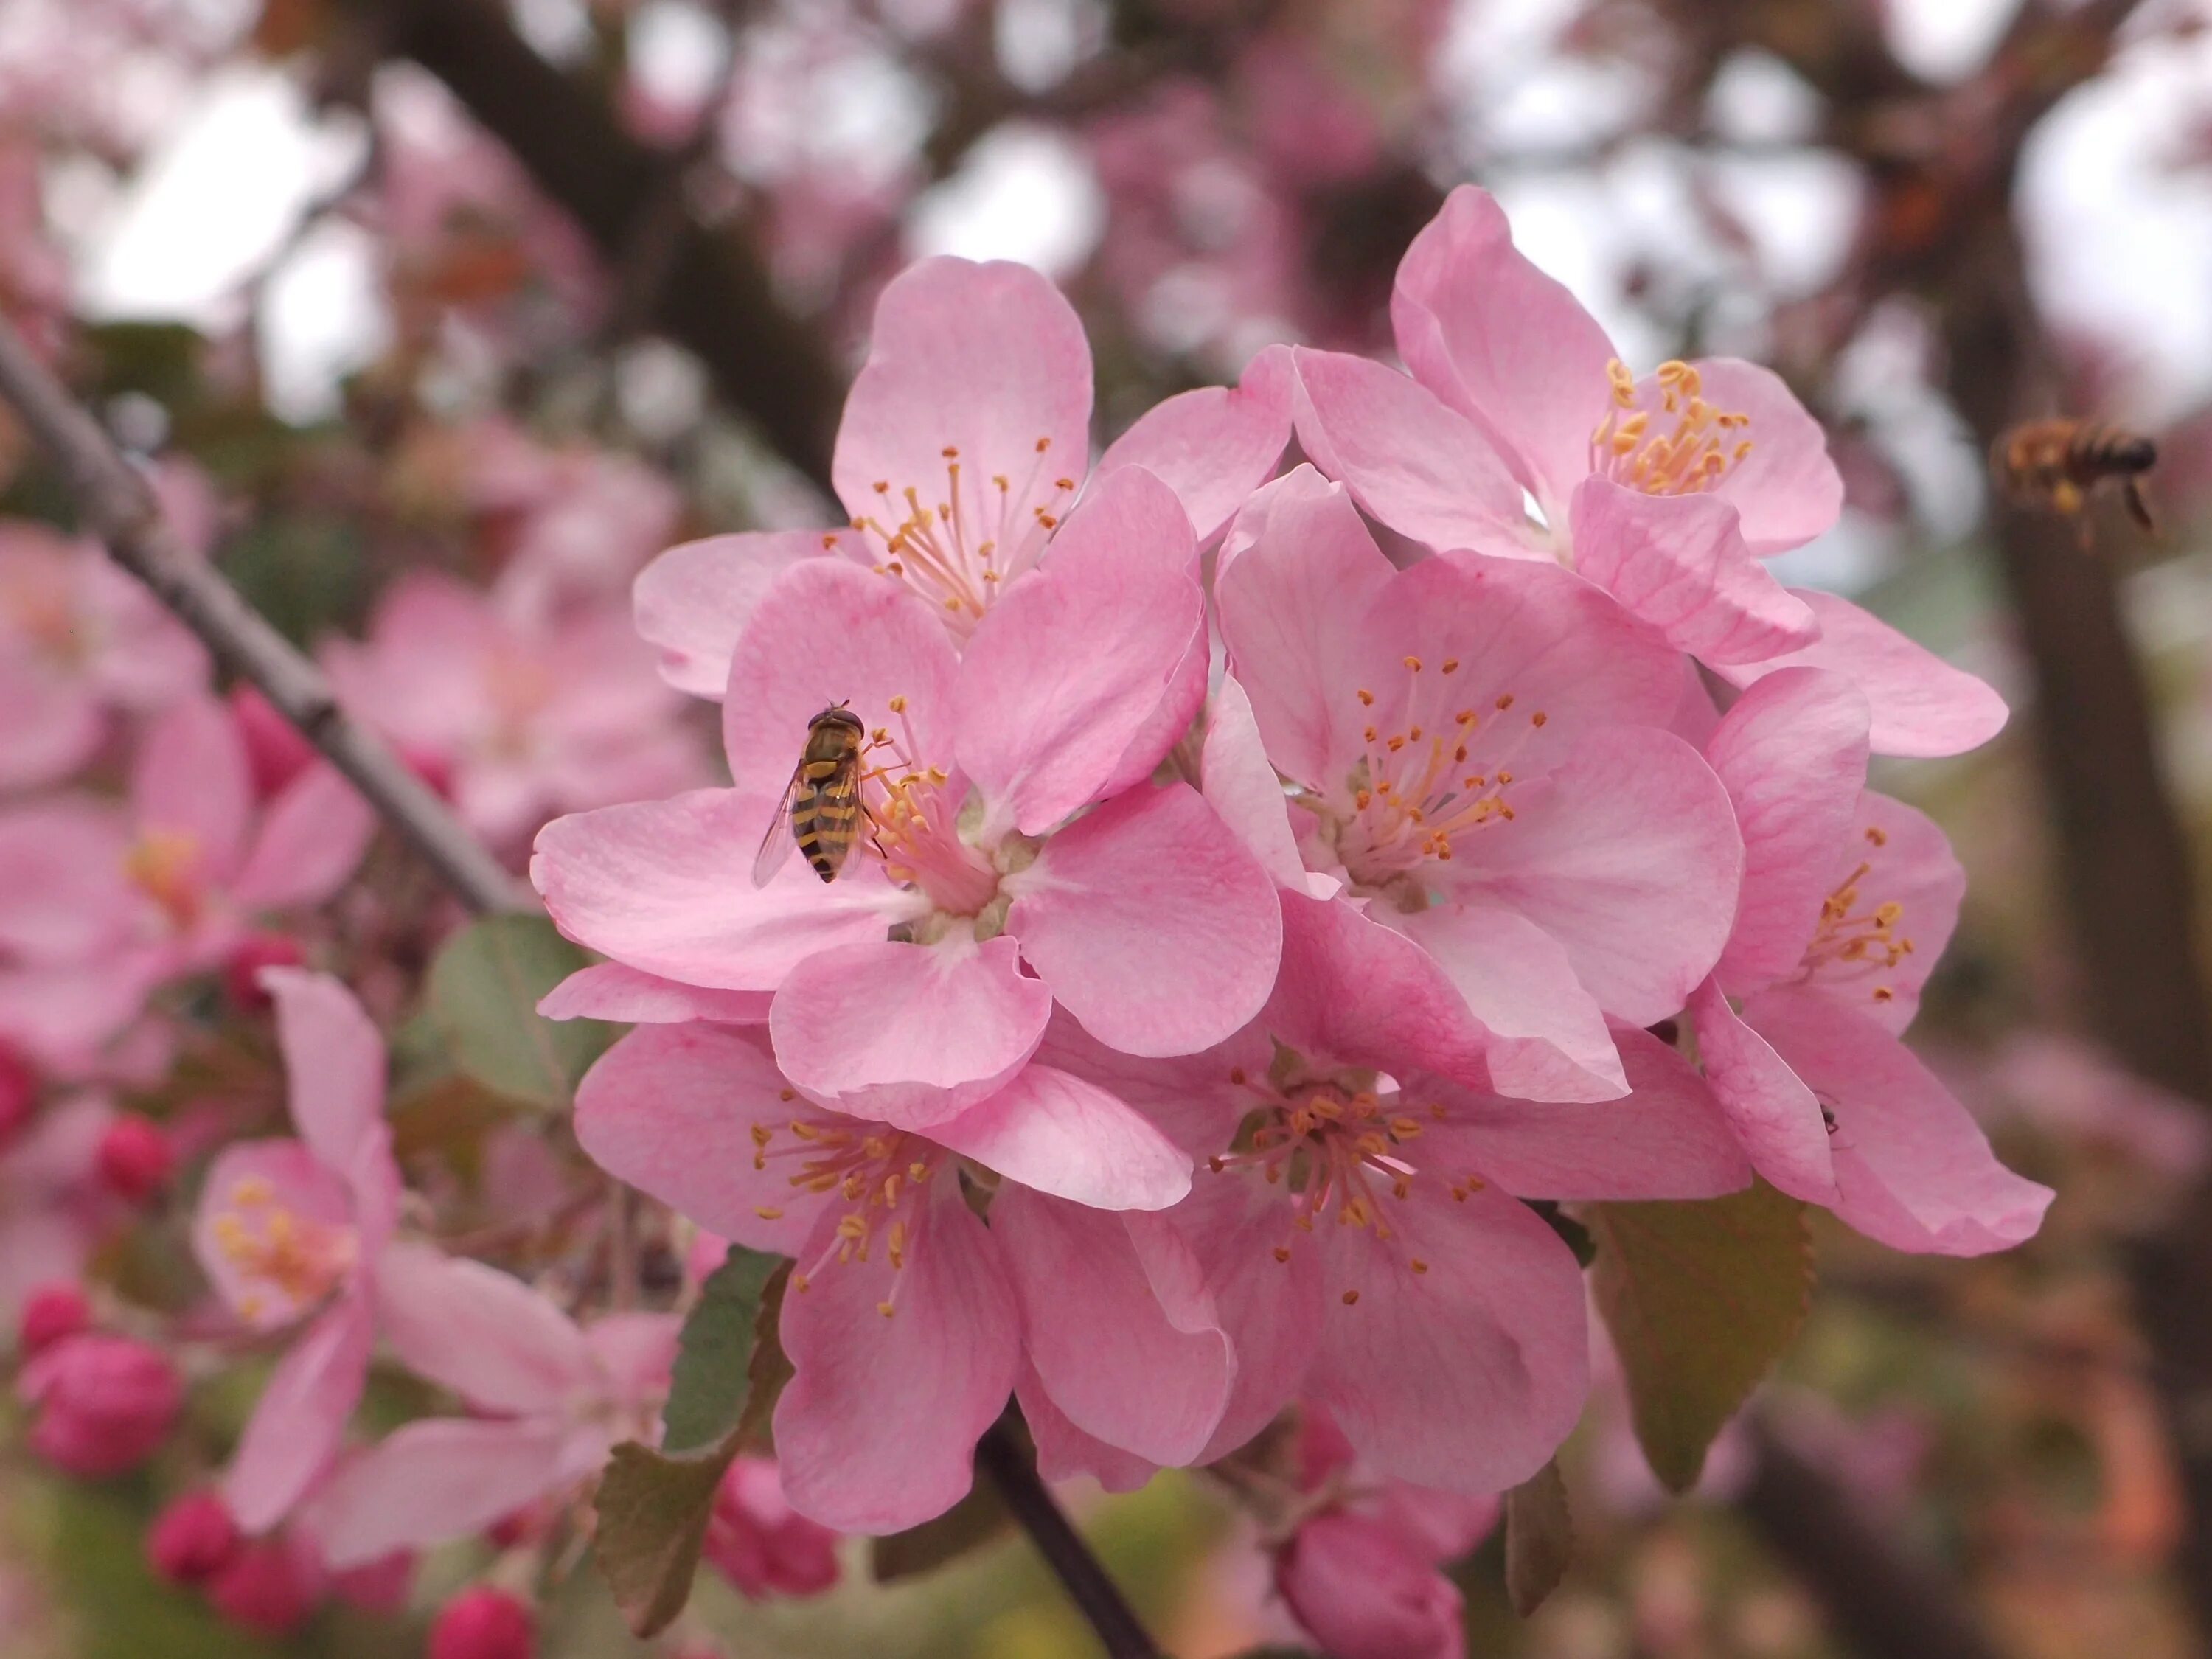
x=1467, y=1376
x=1787, y=489
x=1894, y=855
x=485, y=1335
x=1679, y=564
x=986, y=360
x=695, y=599
x=1774, y=1116
x=1629, y=856
x=1922, y=706
x=1057, y=1133
x=192, y=780
x=1503, y=343
x=1243, y=788
x=1271, y=1307
x=1792, y=754
x=908, y=1034
x=1064, y=1451
x=1072, y=665
x=1190, y=1098
x=293, y=1181
x=1214, y=446
x=608, y=990
x=64, y=893
x=1420, y=467
x=1151, y=922
x=309, y=843
x=877, y=1430
x=1158, y=1386
x=300, y=1421
x=672, y=1109
x=890, y=644
x=434, y=1482
x=1667, y=1139
x=54, y=725
x=664, y=886
x=1915, y=1170
x=334, y=1065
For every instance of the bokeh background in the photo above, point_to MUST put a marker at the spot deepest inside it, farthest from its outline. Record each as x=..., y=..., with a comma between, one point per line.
x=398, y=283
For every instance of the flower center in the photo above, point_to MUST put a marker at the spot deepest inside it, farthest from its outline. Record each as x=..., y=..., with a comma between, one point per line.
x=164, y=865
x=285, y=1258
x=517, y=684
x=41, y=612
x=913, y=824
x=1852, y=942
x=1640, y=453
x=958, y=542
x=1416, y=787
x=878, y=1174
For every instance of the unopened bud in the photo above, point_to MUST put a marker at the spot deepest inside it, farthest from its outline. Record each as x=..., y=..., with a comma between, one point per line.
x=192, y=1539
x=104, y=1403
x=267, y=1588
x=241, y=974
x=51, y=1313
x=135, y=1158
x=482, y=1623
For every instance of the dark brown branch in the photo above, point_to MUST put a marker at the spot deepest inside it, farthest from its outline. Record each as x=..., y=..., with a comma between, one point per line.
x=713, y=296
x=1001, y=1455
x=118, y=509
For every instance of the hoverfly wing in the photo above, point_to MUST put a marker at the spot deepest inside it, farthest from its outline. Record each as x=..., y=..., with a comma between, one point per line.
x=775, y=846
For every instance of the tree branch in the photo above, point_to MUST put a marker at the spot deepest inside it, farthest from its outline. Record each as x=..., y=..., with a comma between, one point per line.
x=1000, y=1455
x=118, y=509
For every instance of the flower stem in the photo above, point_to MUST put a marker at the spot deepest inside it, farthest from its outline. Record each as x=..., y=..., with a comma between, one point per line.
x=1001, y=1455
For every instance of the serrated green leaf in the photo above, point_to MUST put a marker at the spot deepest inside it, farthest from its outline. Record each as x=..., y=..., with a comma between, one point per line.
x=974, y=1521
x=712, y=1380
x=1539, y=1538
x=484, y=992
x=1701, y=1298
x=652, y=1515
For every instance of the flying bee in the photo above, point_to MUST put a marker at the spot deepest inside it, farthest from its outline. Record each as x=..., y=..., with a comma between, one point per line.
x=821, y=810
x=2059, y=463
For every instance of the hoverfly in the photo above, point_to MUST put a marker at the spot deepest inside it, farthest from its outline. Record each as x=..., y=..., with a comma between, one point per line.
x=2059, y=463
x=821, y=810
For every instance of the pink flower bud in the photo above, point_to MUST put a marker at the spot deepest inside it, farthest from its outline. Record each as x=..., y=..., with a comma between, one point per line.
x=19, y=1092
x=274, y=748
x=380, y=1587
x=192, y=1539
x=760, y=1543
x=50, y=1313
x=1365, y=1590
x=104, y=1403
x=482, y=1623
x=241, y=975
x=135, y=1158
x=267, y=1588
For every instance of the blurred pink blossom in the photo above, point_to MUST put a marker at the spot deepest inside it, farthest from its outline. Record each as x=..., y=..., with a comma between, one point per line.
x=102, y=1404
x=760, y=1543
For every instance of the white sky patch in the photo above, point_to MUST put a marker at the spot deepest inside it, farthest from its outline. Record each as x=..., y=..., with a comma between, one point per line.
x=676, y=51
x=322, y=317
x=215, y=201
x=1023, y=193
x=1945, y=39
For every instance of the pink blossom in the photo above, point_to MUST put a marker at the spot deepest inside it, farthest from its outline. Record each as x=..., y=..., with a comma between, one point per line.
x=103, y=1403
x=1848, y=899
x=54, y=1207
x=964, y=444
x=1362, y=1235
x=483, y=1622
x=271, y=1586
x=521, y=716
x=80, y=644
x=290, y=1231
x=134, y=1158
x=551, y=1399
x=1473, y=758
x=907, y=1317
x=100, y=903
x=899, y=988
x=1666, y=491
x=760, y=1543
x=50, y=1313
x=193, y=1539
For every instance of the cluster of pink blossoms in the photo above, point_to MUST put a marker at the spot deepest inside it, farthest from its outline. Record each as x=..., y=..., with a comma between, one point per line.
x=1249, y=920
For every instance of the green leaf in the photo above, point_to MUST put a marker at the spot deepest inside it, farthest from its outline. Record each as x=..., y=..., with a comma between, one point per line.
x=711, y=1381
x=484, y=992
x=974, y=1521
x=1701, y=1298
x=1539, y=1538
x=770, y=1368
x=652, y=1515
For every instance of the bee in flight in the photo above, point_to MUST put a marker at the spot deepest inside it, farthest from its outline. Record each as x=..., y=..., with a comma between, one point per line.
x=821, y=812
x=2059, y=463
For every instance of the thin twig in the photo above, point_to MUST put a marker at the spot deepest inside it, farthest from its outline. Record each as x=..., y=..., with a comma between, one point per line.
x=118, y=509
x=999, y=1454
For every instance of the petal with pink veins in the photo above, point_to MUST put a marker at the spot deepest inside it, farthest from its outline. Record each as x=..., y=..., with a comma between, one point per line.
x=664, y=886
x=1915, y=1170
x=1158, y=1386
x=434, y=1482
x=1059, y=1134
x=1679, y=564
x=908, y=1034
x=1213, y=445
x=1922, y=706
x=1466, y=1376
x=610, y=990
x=1775, y=1118
x=1792, y=754
x=299, y=1421
x=1151, y=922
x=1269, y=1303
x=334, y=1064
x=1243, y=788
x=876, y=1430
x=1064, y=1451
x=483, y=1333
x=693, y=601
x=672, y=1109
x=1072, y=665
x=1507, y=346
x=1787, y=488
x=308, y=844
